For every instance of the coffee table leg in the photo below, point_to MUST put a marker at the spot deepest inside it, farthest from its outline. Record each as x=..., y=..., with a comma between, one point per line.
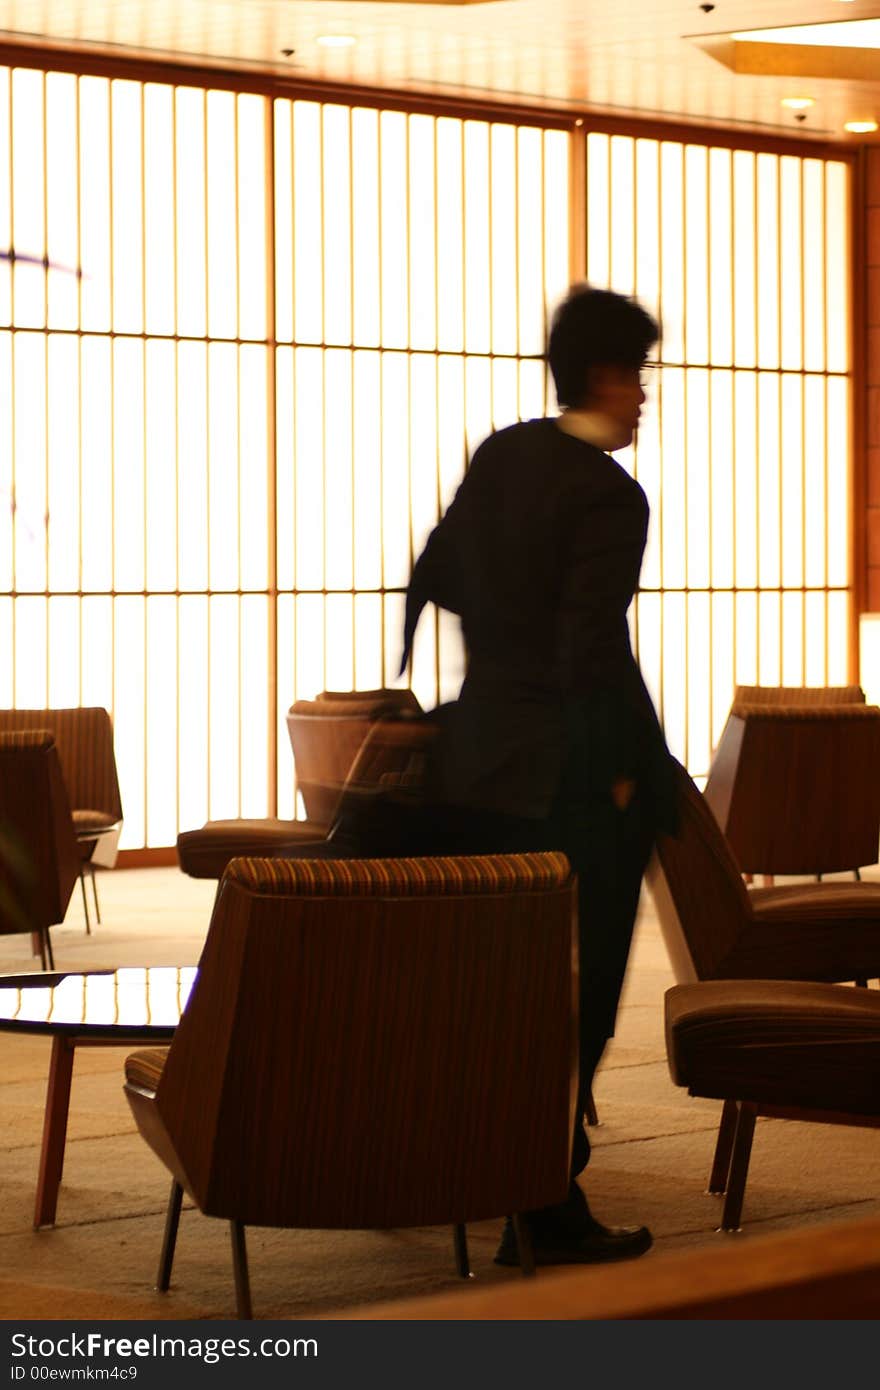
x=54, y=1130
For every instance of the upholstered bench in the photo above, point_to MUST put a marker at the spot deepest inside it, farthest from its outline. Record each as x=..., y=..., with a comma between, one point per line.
x=785, y=1049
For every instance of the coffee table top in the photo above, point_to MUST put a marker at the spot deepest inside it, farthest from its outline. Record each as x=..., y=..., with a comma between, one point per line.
x=135, y=1004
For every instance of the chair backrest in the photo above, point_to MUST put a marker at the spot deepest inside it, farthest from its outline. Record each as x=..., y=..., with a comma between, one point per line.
x=39, y=859
x=797, y=696
x=797, y=790
x=84, y=740
x=702, y=903
x=390, y=698
x=386, y=808
x=378, y=1043
x=326, y=735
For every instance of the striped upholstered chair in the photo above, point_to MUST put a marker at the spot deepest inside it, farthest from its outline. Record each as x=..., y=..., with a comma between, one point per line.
x=326, y=735
x=796, y=788
x=733, y=1041
x=84, y=740
x=39, y=856
x=717, y=929
x=369, y=1044
x=787, y=1049
x=798, y=696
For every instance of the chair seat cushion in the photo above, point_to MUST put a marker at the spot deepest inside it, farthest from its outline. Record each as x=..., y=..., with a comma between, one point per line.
x=785, y=1043
x=85, y=820
x=826, y=902
x=144, y=1068
x=204, y=853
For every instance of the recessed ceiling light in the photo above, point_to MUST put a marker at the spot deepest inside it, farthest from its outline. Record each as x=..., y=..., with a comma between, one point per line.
x=336, y=40
x=860, y=127
x=797, y=103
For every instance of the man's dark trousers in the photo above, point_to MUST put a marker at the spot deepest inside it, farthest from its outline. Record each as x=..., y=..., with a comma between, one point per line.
x=608, y=849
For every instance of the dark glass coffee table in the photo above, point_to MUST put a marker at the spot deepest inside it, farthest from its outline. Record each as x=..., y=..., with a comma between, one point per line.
x=109, y=1008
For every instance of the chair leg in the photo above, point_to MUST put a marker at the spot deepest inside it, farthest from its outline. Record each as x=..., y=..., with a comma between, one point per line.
x=54, y=1130
x=95, y=893
x=723, y=1149
x=169, y=1239
x=862, y=981
x=739, y=1166
x=462, y=1262
x=524, y=1246
x=858, y=874
x=592, y=1115
x=82, y=884
x=240, y=1271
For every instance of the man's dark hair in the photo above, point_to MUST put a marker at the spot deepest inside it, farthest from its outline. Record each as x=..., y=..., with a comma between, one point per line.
x=593, y=328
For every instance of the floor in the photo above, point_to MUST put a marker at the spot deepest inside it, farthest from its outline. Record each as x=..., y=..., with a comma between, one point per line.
x=652, y=1152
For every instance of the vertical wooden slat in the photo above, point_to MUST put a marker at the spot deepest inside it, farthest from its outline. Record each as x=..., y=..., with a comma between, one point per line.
x=577, y=202
x=780, y=492
x=144, y=491
x=857, y=540
x=351, y=388
x=12, y=406
x=45, y=248
x=79, y=364
x=239, y=348
x=804, y=495
x=272, y=712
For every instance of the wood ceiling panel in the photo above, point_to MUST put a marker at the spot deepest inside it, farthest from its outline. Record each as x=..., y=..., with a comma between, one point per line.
x=633, y=56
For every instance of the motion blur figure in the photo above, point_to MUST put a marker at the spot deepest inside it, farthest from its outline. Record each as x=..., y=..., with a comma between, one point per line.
x=553, y=742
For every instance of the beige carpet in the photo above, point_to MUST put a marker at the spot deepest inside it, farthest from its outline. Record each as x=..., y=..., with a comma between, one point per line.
x=652, y=1154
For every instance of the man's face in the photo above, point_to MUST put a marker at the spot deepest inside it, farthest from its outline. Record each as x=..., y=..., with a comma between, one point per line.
x=617, y=393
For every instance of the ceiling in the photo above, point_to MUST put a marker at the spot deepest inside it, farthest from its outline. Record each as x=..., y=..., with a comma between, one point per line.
x=647, y=57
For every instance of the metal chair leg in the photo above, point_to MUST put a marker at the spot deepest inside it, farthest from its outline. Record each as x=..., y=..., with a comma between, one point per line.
x=169, y=1239
x=739, y=1166
x=590, y=1111
x=240, y=1271
x=524, y=1245
x=82, y=884
x=723, y=1149
x=462, y=1262
x=95, y=893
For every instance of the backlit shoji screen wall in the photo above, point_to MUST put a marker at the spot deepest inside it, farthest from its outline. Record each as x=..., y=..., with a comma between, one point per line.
x=221, y=445
x=744, y=450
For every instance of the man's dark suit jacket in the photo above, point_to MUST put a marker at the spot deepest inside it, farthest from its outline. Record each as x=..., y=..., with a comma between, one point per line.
x=539, y=553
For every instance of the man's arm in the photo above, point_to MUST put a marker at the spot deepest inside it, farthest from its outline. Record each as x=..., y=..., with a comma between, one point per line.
x=436, y=578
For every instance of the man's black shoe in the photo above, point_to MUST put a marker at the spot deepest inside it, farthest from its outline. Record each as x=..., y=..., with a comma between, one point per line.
x=596, y=1246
